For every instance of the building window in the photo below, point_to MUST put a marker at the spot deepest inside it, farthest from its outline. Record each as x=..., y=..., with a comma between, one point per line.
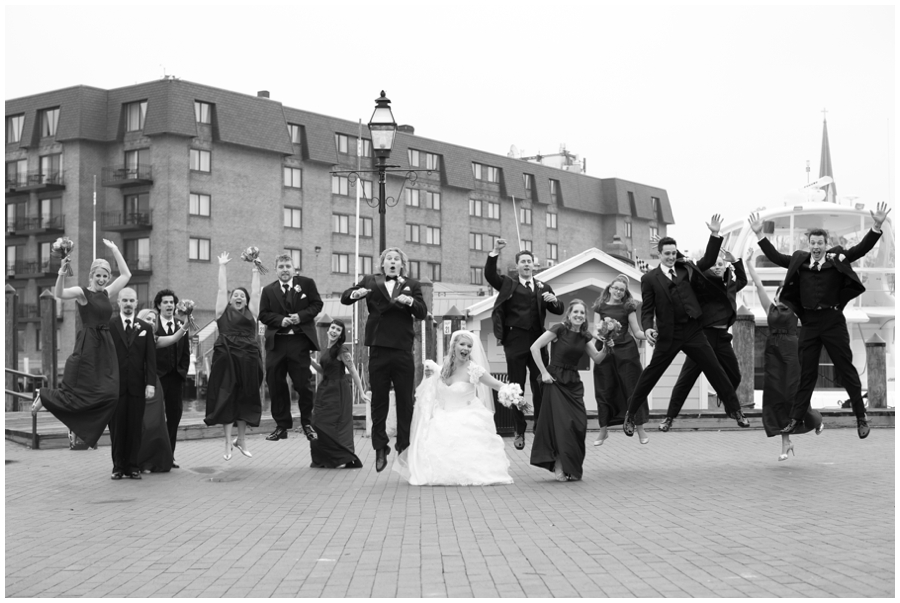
x=137, y=253
x=412, y=233
x=432, y=162
x=432, y=235
x=554, y=191
x=414, y=269
x=14, y=124
x=136, y=209
x=134, y=116
x=13, y=253
x=476, y=241
x=51, y=212
x=340, y=224
x=412, y=197
x=44, y=258
x=17, y=173
x=485, y=172
x=294, y=133
x=365, y=262
x=51, y=168
x=293, y=217
x=528, y=179
x=476, y=277
x=198, y=204
x=342, y=142
x=493, y=210
x=200, y=160
x=654, y=232
x=292, y=177
x=432, y=200
x=49, y=120
x=435, y=271
x=366, y=149
x=135, y=159
x=627, y=230
x=365, y=228
x=525, y=215
x=474, y=207
x=340, y=185
x=413, y=156
x=203, y=112
x=631, y=204
x=198, y=249
x=551, y=220
x=654, y=205
x=340, y=263
x=296, y=258
x=526, y=245
x=552, y=251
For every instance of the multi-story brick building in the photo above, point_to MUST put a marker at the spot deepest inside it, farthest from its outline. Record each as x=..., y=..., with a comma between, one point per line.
x=184, y=171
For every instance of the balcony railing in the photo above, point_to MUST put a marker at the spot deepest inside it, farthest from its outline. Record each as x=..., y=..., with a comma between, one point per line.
x=37, y=182
x=32, y=268
x=29, y=312
x=126, y=176
x=120, y=221
x=141, y=265
x=36, y=225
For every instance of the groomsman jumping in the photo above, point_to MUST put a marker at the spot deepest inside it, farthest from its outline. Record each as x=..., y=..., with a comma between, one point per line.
x=394, y=301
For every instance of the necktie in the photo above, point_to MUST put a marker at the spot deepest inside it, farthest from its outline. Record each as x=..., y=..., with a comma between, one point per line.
x=284, y=289
x=672, y=274
x=128, y=327
x=816, y=266
x=169, y=330
x=528, y=284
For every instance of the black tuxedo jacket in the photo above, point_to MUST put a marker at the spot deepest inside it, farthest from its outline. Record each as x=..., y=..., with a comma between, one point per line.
x=718, y=295
x=306, y=303
x=175, y=358
x=390, y=324
x=505, y=287
x=136, y=356
x=657, y=297
x=851, y=286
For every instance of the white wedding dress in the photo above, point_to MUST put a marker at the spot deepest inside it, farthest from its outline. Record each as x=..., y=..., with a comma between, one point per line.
x=453, y=439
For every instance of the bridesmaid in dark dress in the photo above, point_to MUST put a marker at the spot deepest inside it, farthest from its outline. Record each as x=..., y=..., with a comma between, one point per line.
x=562, y=424
x=237, y=369
x=782, y=369
x=615, y=377
x=86, y=400
x=333, y=409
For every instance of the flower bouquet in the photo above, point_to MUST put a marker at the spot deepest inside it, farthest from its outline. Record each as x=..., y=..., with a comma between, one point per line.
x=186, y=307
x=609, y=328
x=511, y=395
x=251, y=254
x=61, y=249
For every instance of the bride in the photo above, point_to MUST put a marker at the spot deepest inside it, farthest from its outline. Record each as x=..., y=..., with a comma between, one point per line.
x=453, y=440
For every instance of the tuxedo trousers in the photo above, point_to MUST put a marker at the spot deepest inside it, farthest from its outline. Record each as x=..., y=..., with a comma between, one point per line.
x=687, y=337
x=720, y=341
x=826, y=328
x=290, y=356
x=173, y=397
x=387, y=367
x=125, y=431
x=519, y=361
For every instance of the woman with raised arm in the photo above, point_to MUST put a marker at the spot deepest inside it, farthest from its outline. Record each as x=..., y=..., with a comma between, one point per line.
x=87, y=398
x=615, y=377
x=237, y=370
x=333, y=408
x=562, y=425
x=782, y=368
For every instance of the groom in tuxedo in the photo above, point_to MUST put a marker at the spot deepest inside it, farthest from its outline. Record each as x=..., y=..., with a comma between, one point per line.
x=817, y=287
x=288, y=307
x=172, y=363
x=394, y=301
x=668, y=294
x=518, y=316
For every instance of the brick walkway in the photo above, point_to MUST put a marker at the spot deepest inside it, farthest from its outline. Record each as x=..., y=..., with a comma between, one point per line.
x=691, y=514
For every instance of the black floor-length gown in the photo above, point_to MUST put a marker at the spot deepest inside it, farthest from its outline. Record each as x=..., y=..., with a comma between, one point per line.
x=333, y=415
x=562, y=424
x=618, y=373
x=87, y=398
x=236, y=371
x=782, y=366
x=156, y=451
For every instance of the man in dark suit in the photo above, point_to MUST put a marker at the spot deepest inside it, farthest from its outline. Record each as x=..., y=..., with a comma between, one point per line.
x=817, y=287
x=394, y=301
x=171, y=363
x=518, y=316
x=136, y=353
x=288, y=307
x=668, y=293
x=718, y=306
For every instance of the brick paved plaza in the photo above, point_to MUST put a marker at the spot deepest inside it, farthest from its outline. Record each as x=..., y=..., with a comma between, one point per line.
x=690, y=514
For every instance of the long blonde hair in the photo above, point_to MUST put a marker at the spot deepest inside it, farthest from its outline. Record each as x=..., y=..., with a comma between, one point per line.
x=447, y=369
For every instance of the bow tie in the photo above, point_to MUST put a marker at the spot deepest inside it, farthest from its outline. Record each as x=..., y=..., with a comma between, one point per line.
x=390, y=278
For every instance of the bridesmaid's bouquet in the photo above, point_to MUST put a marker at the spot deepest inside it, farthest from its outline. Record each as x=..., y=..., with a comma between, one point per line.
x=511, y=395
x=61, y=248
x=186, y=307
x=251, y=254
x=609, y=328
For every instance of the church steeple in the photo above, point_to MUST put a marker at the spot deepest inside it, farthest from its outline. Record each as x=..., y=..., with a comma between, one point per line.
x=825, y=162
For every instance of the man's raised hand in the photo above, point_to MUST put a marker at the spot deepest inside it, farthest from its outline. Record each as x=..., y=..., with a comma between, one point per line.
x=714, y=224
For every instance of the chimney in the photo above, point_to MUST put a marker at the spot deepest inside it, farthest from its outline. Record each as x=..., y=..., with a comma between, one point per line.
x=263, y=94
x=406, y=129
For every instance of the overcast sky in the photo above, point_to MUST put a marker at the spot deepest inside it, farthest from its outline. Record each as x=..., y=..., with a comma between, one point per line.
x=720, y=106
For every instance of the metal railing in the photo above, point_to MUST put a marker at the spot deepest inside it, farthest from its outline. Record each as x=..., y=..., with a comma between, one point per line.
x=126, y=220
x=18, y=396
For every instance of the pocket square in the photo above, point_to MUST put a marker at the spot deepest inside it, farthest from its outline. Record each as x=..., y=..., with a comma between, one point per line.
x=406, y=289
x=303, y=296
x=142, y=333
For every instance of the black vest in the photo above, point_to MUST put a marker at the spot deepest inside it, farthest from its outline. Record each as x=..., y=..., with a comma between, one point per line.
x=679, y=290
x=819, y=288
x=521, y=308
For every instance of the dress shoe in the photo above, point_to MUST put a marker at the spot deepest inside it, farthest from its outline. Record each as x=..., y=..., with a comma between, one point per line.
x=116, y=475
x=783, y=456
x=280, y=433
x=791, y=427
x=738, y=416
x=381, y=458
x=666, y=424
x=310, y=433
x=519, y=442
x=820, y=428
x=628, y=426
x=862, y=427
x=135, y=475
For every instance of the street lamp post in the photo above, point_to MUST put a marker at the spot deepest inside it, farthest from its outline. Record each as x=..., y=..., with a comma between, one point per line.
x=383, y=129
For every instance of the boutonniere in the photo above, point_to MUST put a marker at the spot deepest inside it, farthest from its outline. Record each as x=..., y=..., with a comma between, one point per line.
x=401, y=280
x=830, y=256
x=297, y=289
x=538, y=284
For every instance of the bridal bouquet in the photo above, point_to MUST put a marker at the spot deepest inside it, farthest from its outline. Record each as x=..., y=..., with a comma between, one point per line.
x=186, y=307
x=511, y=395
x=251, y=254
x=609, y=328
x=61, y=248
